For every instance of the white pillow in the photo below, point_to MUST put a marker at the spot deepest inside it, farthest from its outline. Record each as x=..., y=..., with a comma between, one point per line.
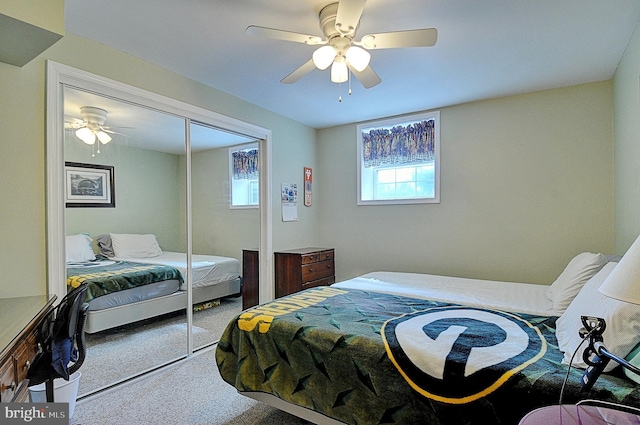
x=579, y=270
x=135, y=246
x=622, y=332
x=78, y=248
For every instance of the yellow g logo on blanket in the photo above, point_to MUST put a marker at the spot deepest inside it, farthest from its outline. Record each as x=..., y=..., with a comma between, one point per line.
x=459, y=354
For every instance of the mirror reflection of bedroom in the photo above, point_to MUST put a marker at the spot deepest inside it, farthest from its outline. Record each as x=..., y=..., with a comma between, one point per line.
x=127, y=222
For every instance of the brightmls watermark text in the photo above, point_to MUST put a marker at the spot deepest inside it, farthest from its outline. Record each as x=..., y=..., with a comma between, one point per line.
x=34, y=413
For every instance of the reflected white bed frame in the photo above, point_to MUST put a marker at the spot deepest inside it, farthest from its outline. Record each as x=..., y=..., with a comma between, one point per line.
x=99, y=320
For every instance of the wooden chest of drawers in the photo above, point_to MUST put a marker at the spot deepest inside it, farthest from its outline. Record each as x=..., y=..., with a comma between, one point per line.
x=303, y=268
x=21, y=318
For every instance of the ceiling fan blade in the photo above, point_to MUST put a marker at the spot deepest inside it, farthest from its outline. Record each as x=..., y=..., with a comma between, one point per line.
x=426, y=37
x=368, y=77
x=68, y=119
x=284, y=35
x=348, y=15
x=306, y=68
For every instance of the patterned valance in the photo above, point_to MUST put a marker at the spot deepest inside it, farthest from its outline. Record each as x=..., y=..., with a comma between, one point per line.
x=409, y=144
x=245, y=164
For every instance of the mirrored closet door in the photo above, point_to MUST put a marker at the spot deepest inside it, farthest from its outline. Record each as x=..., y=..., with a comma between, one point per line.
x=219, y=230
x=144, y=183
x=136, y=323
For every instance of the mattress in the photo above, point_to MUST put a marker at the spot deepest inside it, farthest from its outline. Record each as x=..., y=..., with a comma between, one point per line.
x=207, y=269
x=134, y=295
x=511, y=296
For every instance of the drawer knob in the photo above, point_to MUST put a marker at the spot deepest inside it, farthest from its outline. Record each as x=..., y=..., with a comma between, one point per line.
x=11, y=387
x=27, y=365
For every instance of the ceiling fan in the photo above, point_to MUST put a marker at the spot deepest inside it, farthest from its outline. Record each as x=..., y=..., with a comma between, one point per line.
x=91, y=127
x=339, y=23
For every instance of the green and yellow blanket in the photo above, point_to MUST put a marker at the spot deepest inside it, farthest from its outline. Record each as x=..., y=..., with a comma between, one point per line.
x=370, y=358
x=117, y=276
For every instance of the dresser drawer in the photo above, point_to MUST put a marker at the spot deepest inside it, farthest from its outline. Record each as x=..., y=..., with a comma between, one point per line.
x=8, y=382
x=302, y=268
x=22, y=361
x=320, y=282
x=317, y=257
x=317, y=271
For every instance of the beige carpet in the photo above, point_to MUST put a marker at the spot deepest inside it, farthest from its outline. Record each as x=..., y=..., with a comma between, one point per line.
x=117, y=354
x=188, y=392
x=191, y=392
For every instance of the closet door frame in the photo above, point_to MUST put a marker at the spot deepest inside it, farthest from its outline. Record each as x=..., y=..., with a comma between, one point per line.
x=60, y=76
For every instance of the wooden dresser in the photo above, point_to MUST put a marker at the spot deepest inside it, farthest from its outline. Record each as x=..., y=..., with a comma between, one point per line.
x=20, y=320
x=250, y=278
x=303, y=268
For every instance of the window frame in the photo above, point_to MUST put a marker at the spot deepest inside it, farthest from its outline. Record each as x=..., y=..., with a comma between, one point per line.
x=231, y=150
x=388, y=123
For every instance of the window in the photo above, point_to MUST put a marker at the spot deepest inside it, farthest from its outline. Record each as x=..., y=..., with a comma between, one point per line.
x=243, y=170
x=398, y=160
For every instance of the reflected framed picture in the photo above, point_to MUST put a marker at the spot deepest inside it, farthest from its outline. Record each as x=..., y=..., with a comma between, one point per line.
x=89, y=186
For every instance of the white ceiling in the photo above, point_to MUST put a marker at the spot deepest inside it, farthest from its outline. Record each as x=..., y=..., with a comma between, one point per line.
x=485, y=49
x=144, y=128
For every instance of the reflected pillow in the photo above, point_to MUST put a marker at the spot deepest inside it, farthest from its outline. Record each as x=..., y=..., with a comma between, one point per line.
x=135, y=246
x=622, y=333
x=78, y=248
x=105, y=245
x=579, y=270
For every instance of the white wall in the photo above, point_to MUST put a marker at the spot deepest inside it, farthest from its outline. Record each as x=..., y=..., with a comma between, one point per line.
x=526, y=184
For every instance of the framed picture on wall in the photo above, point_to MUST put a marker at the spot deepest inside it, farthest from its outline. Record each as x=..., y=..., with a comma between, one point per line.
x=89, y=186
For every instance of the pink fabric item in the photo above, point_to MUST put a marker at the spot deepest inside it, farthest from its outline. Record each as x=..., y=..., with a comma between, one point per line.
x=569, y=414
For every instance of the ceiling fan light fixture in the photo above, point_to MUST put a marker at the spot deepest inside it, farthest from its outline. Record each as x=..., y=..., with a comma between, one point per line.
x=358, y=58
x=323, y=57
x=103, y=137
x=86, y=135
x=339, y=71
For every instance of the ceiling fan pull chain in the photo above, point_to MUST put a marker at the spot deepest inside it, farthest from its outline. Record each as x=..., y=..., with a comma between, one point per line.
x=340, y=95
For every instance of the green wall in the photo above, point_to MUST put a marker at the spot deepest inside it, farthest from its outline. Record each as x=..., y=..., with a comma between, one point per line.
x=527, y=181
x=147, y=193
x=216, y=228
x=626, y=130
x=22, y=150
x=526, y=184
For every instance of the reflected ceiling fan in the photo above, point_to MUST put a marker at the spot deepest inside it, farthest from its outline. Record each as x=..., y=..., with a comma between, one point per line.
x=91, y=127
x=340, y=50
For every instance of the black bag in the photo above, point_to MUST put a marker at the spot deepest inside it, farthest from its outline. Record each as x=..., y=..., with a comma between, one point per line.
x=61, y=339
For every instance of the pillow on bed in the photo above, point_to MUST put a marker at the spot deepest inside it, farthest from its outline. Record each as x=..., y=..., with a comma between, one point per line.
x=135, y=246
x=634, y=358
x=579, y=270
x=78, y=248
x=105, y=245
x=622, y=333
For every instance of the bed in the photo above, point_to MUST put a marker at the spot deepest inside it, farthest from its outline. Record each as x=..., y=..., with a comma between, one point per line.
x=403, y=348
x=135, y=280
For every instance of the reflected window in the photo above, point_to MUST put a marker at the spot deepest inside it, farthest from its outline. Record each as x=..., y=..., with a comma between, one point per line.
x=244, y=182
